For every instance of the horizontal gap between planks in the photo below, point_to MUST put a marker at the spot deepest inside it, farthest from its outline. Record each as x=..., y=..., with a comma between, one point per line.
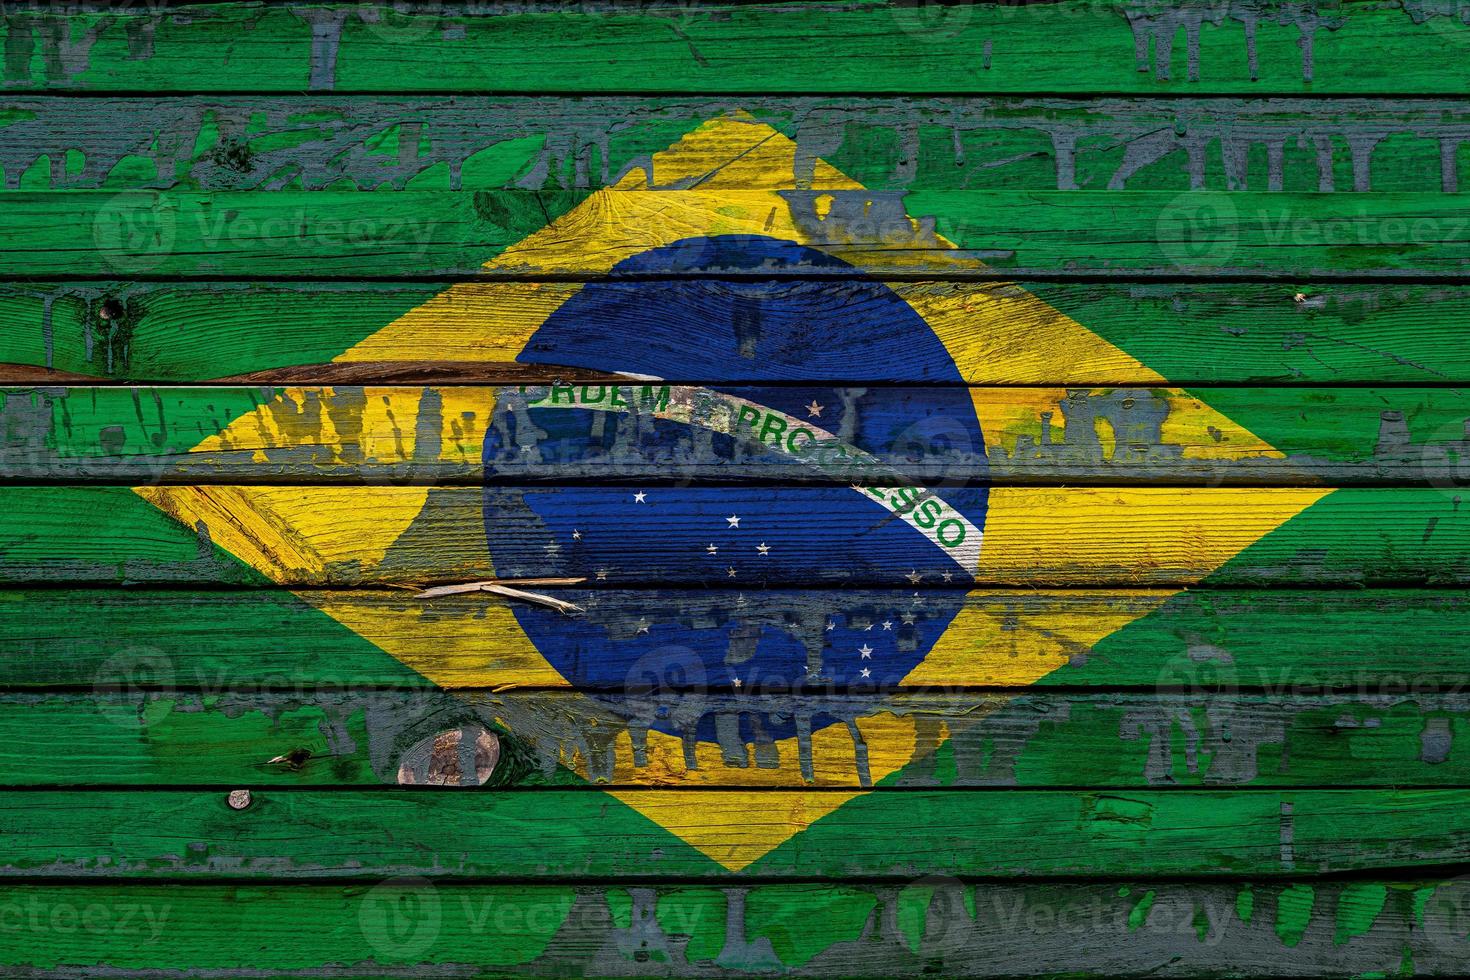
x=459, y=374
x=61, y=93
x=304, y=690
x=390, y=790
x=992, y=275
x=1216, y=479
x=1431, y=874
x=1071, y=95
x=407, y=591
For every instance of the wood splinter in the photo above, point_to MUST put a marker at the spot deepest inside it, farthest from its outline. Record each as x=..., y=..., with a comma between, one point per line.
x=560, y=605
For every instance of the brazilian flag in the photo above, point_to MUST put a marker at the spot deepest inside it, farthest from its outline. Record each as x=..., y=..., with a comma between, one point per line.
x=798, y=355
x=708, y=603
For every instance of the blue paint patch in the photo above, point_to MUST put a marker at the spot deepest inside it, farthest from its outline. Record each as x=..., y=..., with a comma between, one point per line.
x=768, y=331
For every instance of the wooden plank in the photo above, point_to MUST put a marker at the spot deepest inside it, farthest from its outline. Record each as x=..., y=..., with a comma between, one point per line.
x=408, y=536
x=804, y=47
x=364, y=738
x=303, y=834
x=1143, y=928
x=439, y=435
x=1211, y=333
x=923, y=233
x=1273, y=642
x=542, y=143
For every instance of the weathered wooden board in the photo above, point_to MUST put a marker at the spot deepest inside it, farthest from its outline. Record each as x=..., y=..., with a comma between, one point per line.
x=397, y=535
x=415, y=928
x=352, y=434
x=991, y=233
x=1186, y=46
x=545, y=143
x=1191, y=333
x=285, y=833
x=1111, y=621
x=1280, y=641
x=357, y=738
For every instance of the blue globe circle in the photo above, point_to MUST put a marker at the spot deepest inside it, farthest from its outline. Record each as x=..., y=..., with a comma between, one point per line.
x=809, y=343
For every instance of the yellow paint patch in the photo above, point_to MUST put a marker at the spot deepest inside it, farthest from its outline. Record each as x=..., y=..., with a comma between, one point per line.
x=479, y=324
x=375, y=425
x=466, y=322
x=889, y=742
x=1143, y=421
x=293, y=533
x=1001, y=332
x=1123, y=534
x=471, y=641
x=465, y=413
x=736, y=153
x=991, y=644
x=1207, y=434
x=735, y=827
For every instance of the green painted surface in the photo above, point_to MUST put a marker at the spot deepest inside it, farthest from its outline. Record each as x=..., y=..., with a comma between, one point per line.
x=1218, y=333
x=1039, y=233
x=983, y=930
x=139, y=730
x=1272, y=271
x=1349, y=47
x=306, y=833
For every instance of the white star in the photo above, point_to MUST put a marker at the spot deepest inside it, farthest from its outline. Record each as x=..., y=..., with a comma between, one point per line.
x=887, y=624
x=948, y=576
x=914, y=576
x=867, y=672
x=576, y=535
x=711, y=550
x=552, y=548
x=730, y=572
x=642, y=625
x=733, y=521
x=866, y=651
x=868, y=628
x=763, y=548
x=602, y=575
x=831, y=626
x=639, y=497
x=813, y=410
x=735, y=681
x=908, y=619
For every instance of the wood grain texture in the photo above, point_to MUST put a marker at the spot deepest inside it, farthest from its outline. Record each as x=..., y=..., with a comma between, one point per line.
x=1142, y=928
x=365, y=738
x=439, y=435
x=926, y=233
x=385, y=143
x=304, y=834
x=1278, y=641
x=1211, y=333
x=803, y=47
x=1163, y=302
